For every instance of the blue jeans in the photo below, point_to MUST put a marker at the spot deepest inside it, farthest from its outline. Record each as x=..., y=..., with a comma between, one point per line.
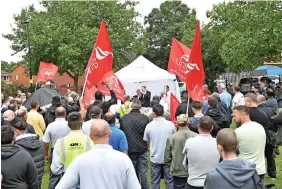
x=179, y=182
x=140, y=163
x=156, y=170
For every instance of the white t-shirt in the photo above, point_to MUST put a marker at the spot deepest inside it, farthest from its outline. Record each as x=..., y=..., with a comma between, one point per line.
x=251, y=141
x=238, y=99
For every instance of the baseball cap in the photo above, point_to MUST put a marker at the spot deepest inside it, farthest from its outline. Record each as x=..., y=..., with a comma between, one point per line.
x=95, y=111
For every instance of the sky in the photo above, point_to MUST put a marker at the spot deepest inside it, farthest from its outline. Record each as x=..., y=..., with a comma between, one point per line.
x=11, y=7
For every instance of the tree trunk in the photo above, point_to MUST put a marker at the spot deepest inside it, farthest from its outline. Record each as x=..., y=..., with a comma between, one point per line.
x=75, y=81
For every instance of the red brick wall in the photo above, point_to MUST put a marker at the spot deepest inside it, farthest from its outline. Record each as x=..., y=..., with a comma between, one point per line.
x=61, y=80
x=22, y=78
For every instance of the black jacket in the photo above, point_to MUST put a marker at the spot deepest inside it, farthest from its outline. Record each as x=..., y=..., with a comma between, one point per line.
x=17, y=168
x=259, y=117
x=223, y=107
x=219, y=117
x=103, y=105
x=29, y=128
x=269, y=112
x=279, y=98
x=133, y=125
x=35, y=148
x=182, y=108
x=146, y=99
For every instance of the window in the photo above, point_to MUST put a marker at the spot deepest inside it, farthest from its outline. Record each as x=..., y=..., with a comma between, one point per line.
x=17, y=77
x=6, y=78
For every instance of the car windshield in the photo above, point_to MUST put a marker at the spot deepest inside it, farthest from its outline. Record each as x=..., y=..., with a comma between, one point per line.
x=248, y=80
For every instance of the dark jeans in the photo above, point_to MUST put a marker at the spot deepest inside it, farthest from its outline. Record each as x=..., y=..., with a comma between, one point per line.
x=271, y=167
x=179, y=182
x=156, y=170
x=188, y=186
x=140, y=163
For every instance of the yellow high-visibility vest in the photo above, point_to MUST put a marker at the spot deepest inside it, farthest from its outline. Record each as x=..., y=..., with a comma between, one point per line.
x=71, y=146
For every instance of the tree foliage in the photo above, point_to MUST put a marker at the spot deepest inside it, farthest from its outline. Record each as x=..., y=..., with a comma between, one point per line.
x=172, y=19
x=249, y=32
x=65, y=32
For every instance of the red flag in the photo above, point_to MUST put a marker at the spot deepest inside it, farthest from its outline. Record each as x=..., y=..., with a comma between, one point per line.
x=89, y=95
x=174, y=103
x=46, y=71
x=114, y=83
x=101, y=59
x=178, y=59
x=196, y=74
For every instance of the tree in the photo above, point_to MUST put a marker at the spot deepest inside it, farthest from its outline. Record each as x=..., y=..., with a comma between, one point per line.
x=250, y=32
x=172, y=19
x=10, y=66
x=65, y=32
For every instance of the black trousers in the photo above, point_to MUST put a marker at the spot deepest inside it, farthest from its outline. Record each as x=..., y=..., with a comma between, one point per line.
x=271, y=166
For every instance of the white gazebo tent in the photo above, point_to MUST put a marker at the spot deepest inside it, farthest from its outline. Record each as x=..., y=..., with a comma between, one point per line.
x=142, y=72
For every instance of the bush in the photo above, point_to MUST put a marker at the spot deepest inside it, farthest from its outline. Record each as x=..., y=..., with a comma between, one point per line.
x=10, y=89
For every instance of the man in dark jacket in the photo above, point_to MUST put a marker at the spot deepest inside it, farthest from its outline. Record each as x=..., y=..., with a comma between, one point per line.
x=22, y=114
x=146, y=98
x=182, y=108
x=279, y=95
x=99, y=101
x=232, y=172
x=31, y=144
x=133, y=125
x=17, y=167
x=216, y=114
x=56, y=102
x=269, y=111
x=223, y=107
x=261, y=118
x=271, y=101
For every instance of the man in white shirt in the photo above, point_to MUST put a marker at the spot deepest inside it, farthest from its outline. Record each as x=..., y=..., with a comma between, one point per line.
x=238, y=98
x=251, y=139
x=95, y=113
x=201, y=154
x=102, y=167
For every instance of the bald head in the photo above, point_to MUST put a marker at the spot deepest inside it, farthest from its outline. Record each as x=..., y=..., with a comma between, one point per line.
x=100, y=131
x=110, y=117
x=9, y=115
x=227, y=139
x=261, y=99
x=60, y=112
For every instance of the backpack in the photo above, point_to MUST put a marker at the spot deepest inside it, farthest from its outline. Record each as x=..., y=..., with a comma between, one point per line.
x=49, y=117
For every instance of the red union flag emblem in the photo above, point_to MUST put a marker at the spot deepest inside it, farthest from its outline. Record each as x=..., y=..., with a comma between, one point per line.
x=185, y=65
x=46, y=71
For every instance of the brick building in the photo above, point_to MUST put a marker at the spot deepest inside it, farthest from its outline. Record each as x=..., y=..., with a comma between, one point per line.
x=5, y=76
x=63, y=82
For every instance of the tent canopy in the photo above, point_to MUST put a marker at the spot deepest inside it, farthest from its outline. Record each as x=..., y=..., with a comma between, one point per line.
x=142, y=72
x=269, y=70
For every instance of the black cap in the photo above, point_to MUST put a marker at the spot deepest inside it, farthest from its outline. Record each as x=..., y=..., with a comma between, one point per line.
x=95, y=111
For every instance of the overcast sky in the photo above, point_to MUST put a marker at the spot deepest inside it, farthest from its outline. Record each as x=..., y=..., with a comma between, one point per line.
x=10, y=7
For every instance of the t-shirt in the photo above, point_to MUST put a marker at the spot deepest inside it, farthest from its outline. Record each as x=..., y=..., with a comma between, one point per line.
x=226, y=98
x=238, y=99
x=56, y=130
x=118, y=139
x=156, y=133
x=86, y=126
x=202, y=155
x=251, y=141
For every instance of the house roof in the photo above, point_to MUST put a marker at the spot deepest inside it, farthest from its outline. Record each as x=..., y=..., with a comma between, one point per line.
x=4, y=73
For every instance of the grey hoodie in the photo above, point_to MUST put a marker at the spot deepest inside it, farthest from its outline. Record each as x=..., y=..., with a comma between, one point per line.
x=232, y=174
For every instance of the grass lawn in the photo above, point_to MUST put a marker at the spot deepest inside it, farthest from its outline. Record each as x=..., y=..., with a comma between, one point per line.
x=278, y=180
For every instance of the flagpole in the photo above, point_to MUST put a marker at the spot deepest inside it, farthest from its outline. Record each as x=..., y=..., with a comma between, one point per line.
x=188, y=103
x=88, y=70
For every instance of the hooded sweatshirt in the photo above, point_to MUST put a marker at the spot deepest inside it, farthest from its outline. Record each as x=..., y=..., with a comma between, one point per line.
x=31, y=144
x=232, y=174
x=17, y=168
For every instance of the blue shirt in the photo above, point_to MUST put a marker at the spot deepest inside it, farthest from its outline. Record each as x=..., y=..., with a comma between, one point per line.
x=118, y=139
x=226, y=98
x=156, y=133
x=205, y=106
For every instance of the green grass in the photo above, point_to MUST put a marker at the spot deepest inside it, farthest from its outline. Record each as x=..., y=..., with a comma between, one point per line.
x=278, y=181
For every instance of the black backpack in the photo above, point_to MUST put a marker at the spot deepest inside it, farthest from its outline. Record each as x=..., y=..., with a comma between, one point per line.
x=260, y=183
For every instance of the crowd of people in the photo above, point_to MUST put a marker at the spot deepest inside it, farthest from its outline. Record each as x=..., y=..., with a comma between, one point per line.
x=99, y=148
